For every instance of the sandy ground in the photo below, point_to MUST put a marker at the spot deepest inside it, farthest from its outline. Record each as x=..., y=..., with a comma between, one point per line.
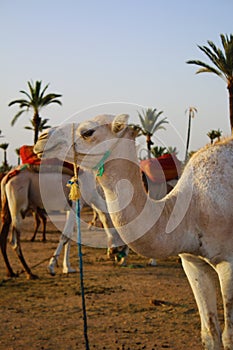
x=128, y=308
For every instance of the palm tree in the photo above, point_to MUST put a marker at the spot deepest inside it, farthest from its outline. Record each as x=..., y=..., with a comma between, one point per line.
x=150, y=124
x=191, y=113
x=36, y=99
x=159, y=151
x=223, y=65
x=214, y=134
x=4, y=146
x=218, y=134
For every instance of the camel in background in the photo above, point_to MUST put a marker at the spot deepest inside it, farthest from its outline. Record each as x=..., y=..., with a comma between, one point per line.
x=31, y=191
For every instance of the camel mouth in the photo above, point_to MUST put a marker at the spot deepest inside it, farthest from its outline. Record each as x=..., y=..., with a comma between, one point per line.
x=44, y=143
x=40, y=145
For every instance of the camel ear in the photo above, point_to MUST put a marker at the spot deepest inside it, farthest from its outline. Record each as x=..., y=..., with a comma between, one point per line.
x=119, y=122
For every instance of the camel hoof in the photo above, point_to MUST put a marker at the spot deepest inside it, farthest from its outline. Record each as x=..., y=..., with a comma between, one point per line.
x=12, y=274
x=67, y=270
x=32, y=239
x=152, y=262
x=31, y=276
x=51, y=270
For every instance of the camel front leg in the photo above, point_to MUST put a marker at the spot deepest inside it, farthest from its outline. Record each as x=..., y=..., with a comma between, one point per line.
x=200, y=277
x=66, y=260
x=64, y=241
x=225, y=274
x=54, y=260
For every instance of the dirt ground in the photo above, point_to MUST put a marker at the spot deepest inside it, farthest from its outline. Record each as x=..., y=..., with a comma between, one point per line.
x=128, y=308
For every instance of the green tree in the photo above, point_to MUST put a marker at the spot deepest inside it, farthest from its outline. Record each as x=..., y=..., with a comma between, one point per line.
x=35, y=100
x=159, y=151
x=191, y=114
x=223, y=65
x=214, y=134
x=150, y=123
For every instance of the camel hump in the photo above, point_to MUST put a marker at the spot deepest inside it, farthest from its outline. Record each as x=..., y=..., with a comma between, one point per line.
x=12, y=173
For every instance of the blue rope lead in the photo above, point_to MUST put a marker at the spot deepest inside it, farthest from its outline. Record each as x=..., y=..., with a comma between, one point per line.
x=79, y=242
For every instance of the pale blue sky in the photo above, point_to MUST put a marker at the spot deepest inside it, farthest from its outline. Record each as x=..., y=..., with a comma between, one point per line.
x=128, y=53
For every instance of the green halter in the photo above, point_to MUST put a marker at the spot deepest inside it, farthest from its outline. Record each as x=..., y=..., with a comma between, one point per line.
x=100, y=165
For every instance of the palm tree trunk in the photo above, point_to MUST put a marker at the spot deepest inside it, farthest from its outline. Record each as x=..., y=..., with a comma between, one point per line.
x=5, y=158
x=36, y=124
x=149, y=143
x=230, y=89
x=188, y=138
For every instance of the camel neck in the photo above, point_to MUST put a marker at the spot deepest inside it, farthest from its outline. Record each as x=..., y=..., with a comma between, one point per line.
x=139, y=219
x=122, y=184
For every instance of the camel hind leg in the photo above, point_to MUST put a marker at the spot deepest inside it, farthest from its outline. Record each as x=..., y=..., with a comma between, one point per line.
x=200, y=276
x=36, y=225
x=17, y=197
x=3, y=244
x=16, y=245
x=39, y=215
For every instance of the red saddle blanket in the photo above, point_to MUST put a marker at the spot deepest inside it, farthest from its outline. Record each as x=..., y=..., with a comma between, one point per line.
x=164, y=168
x=28, y=156
x=51, y=164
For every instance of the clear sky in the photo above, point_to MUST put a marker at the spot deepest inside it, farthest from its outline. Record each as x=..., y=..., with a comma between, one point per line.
x=115, y=57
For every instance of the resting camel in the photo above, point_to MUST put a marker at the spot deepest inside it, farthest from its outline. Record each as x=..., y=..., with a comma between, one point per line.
x=194, y=220
x=30, y=191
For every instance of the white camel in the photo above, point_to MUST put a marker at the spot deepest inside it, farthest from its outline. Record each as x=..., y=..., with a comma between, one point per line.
x=194, y=220
x=30, y=191
x=92, y=194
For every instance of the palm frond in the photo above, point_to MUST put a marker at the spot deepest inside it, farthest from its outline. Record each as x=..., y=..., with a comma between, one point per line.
x=17, y=116
x=149, y=121
x=205, y=67
x=50, y=98
x=21, y=102
x=43, y=91
x=31, y=88
x=159, y=126
x=27, y=94
x=28, y=128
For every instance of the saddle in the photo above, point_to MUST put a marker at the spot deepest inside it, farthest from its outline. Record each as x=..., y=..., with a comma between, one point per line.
x=164, y=168
x=51, y=165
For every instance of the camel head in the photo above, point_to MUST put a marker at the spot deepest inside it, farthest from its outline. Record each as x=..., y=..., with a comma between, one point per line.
x=90, y=142
x=56, y=142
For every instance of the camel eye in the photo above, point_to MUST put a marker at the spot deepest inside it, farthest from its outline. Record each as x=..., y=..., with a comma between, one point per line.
x=87, y=133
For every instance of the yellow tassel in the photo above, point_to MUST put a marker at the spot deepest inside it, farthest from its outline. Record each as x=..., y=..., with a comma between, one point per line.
x=74, y=194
